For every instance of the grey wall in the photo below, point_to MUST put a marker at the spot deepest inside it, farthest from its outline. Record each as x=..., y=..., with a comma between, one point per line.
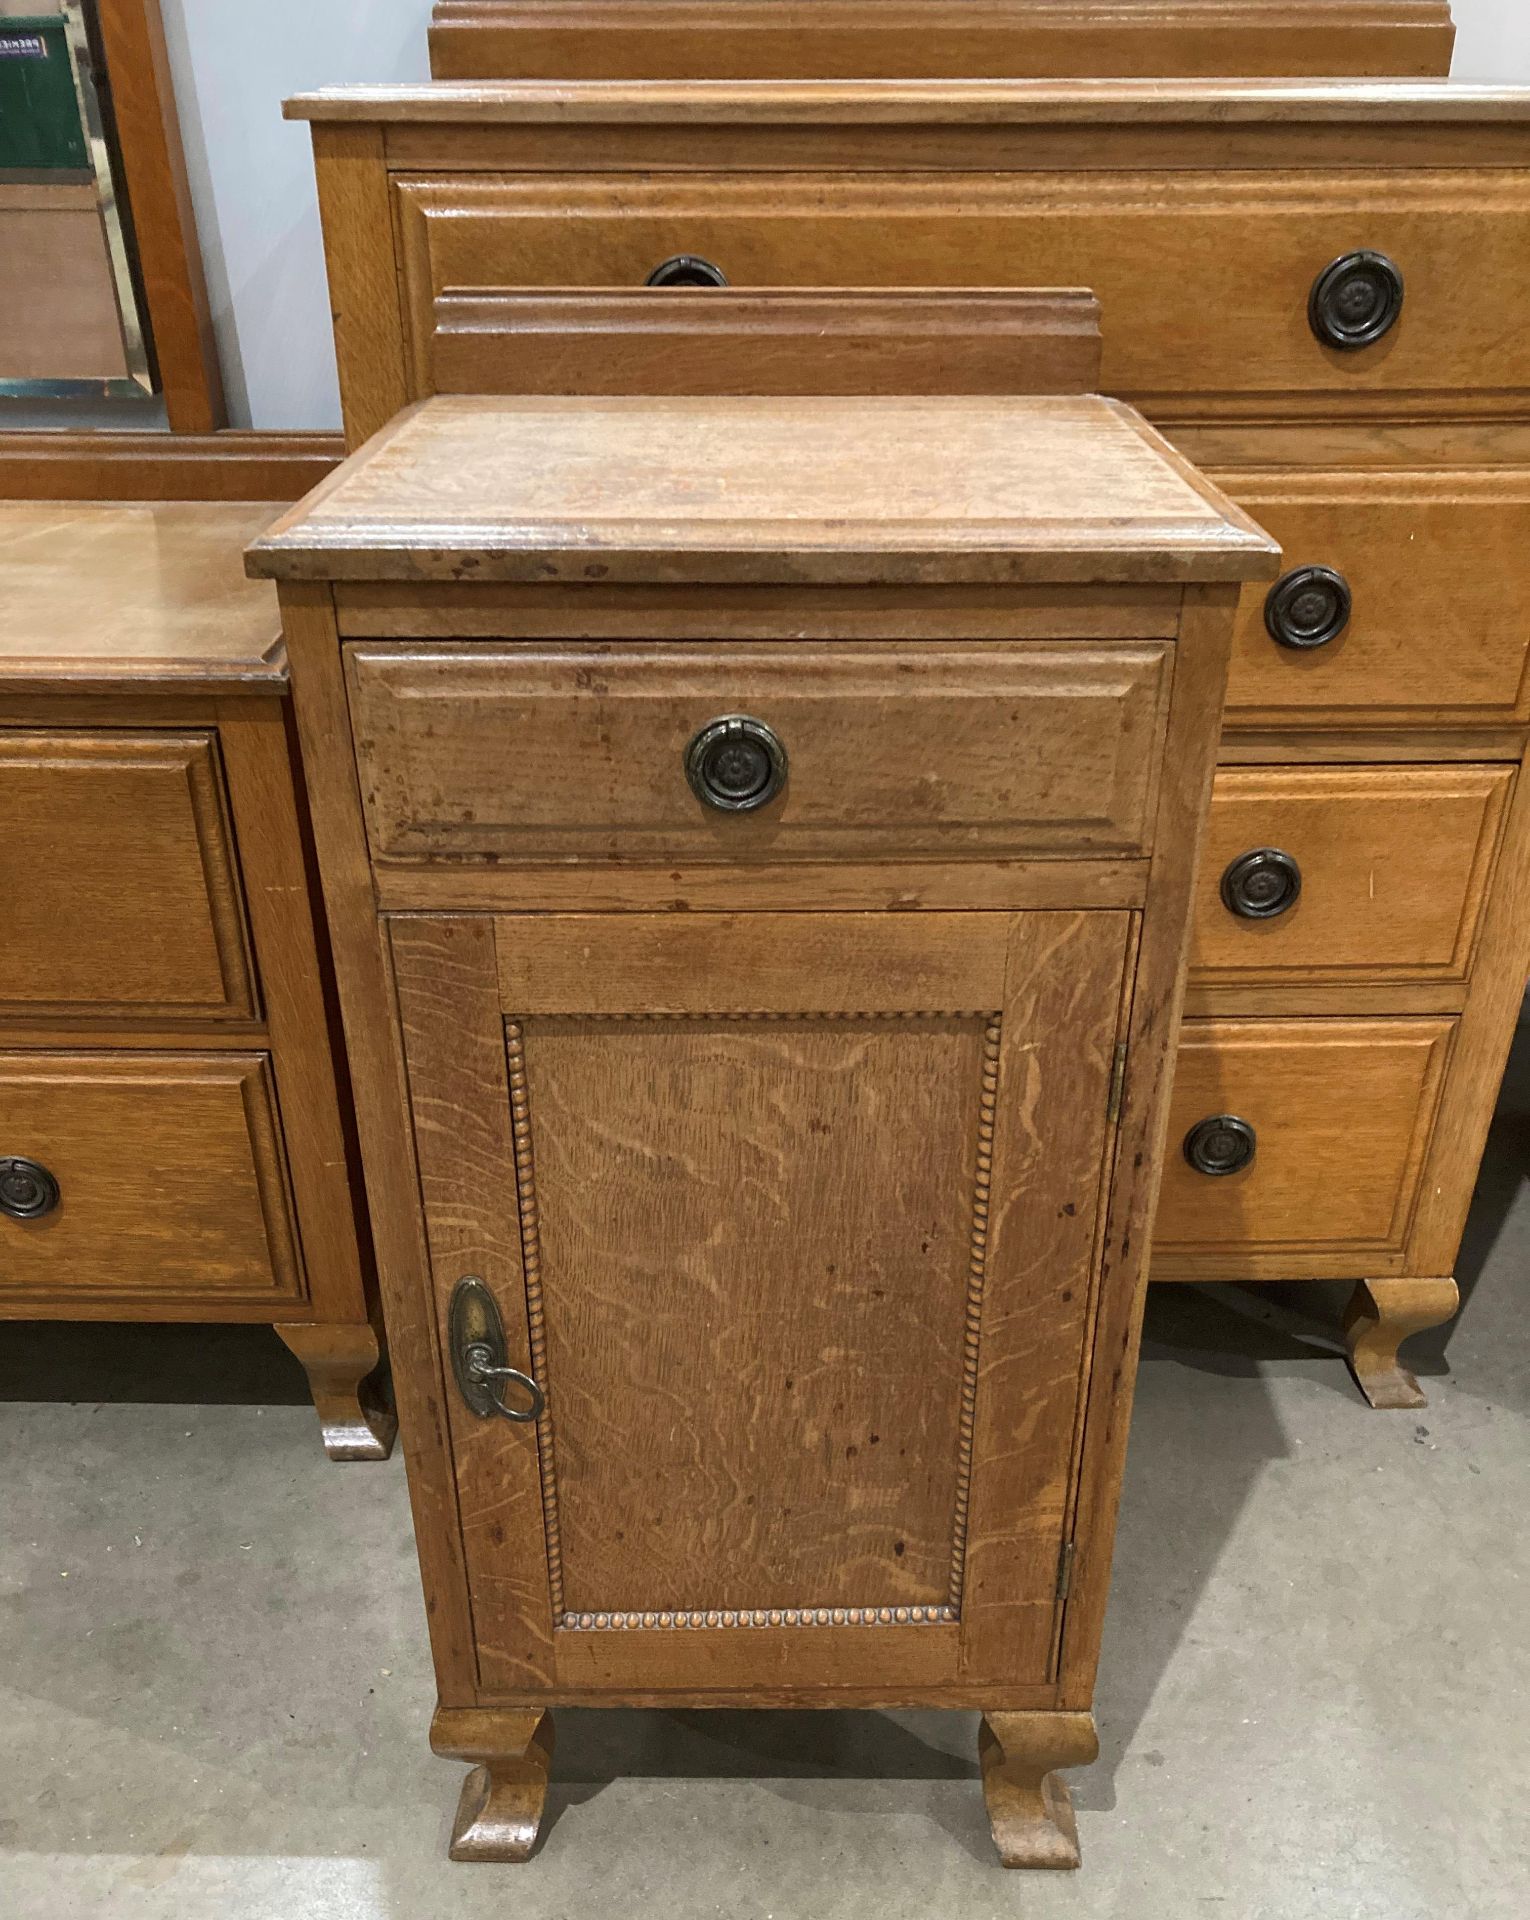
x=252, y=179
x=252, y=176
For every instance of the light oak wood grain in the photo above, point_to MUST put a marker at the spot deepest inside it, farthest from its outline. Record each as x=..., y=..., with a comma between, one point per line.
x=1396, y=865
x=84, y=466
x=851, y=39
x=590, y=610
x=654, y=1132
x=166, y=960
x=173, y=1183
x=368, y=1003
x=122, y=896
x=1439, y=634
x=1380, y=1316
x=655, y=340
x=1055, y=489
x=1219, y=101
x=1203, y=273
x=128, y=595
x=1343, y=1111
x=475, y=753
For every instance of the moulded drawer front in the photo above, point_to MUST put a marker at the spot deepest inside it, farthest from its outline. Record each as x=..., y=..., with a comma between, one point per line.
x=578, y=753
x=1346, y=875
x=119, y=882
x=1208, y=276
x=1340, y=1113
x=1438, y=626
x=171, y=1183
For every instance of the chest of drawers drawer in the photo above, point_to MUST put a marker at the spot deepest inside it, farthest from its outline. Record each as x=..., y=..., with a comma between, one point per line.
x=1297, y=1146
x=132, y=1179
x=1405, y=600
x=600, y=753
x=1317, y=876
x=121, y=894
x=1221, y=282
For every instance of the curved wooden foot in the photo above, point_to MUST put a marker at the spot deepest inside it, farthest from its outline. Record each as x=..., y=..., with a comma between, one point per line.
x=1028, y=1806
x=340, y=1360
x=1382, y=1314
x=500, y=1812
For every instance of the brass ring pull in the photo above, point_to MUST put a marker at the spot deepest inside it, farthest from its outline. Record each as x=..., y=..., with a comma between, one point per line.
x=476, y=1341
x=478, y=1364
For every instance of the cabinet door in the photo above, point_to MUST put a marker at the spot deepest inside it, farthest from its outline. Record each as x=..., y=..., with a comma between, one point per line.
x=793, y=1219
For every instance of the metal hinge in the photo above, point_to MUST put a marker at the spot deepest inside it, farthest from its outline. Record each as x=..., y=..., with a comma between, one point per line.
x=1117, y=1083
x=1065, y=1570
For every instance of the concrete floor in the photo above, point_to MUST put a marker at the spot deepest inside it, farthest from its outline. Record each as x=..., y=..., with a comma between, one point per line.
x=214, y=1686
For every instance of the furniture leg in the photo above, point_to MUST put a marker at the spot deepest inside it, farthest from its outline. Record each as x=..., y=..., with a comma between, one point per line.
x=1382, y=1314
x=342, y=1362
x=499, y=1815
x=1028, y=1805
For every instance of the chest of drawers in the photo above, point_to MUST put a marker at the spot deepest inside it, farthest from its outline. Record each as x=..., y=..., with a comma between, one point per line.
x=1319, y=292
x=174, y=1137
x=773, y=1027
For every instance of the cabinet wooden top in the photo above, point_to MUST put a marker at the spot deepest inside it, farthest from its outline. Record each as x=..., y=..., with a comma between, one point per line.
x=143, y=593
x=1152, y=102
x=1057, y=489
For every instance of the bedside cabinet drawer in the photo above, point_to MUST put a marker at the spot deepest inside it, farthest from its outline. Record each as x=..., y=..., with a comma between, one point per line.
x=118, y=876
x=1296, y=1147
x=154, y=1182
x=1404, y=601
x=1344, y=876
x=1210, y=281
x=870, y=752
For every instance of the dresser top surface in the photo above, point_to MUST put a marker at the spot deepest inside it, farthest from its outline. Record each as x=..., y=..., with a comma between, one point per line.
x=1065, y=488
x=1111, y=102
x=135, y=593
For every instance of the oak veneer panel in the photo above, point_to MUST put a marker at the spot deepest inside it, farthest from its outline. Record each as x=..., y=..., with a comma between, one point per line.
x=655, y=340
x=849, y=39
x=798, y=962
x=779, y=614
x=1396, y=863
x=122, y=895
x=1440, y=629
x=173, y=1183
x=754, y=1334
x=1342, y=1110
x=743, y=489
x=556, y=755
x=1203, y=275
x=925, y=1152
x=230, y=466
x=133, y=594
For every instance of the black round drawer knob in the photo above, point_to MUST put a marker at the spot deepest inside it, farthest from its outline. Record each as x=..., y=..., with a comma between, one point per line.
x=1262, y=884
x=1308, y=607
x=736, y=764
x=27, y=1189
x=687, y=270
x=1355, y=301
x=1222, y=1144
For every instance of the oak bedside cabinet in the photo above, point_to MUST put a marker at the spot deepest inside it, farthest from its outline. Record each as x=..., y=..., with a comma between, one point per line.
x=1281, y=270
x=174, y=1114
x=758, y=836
